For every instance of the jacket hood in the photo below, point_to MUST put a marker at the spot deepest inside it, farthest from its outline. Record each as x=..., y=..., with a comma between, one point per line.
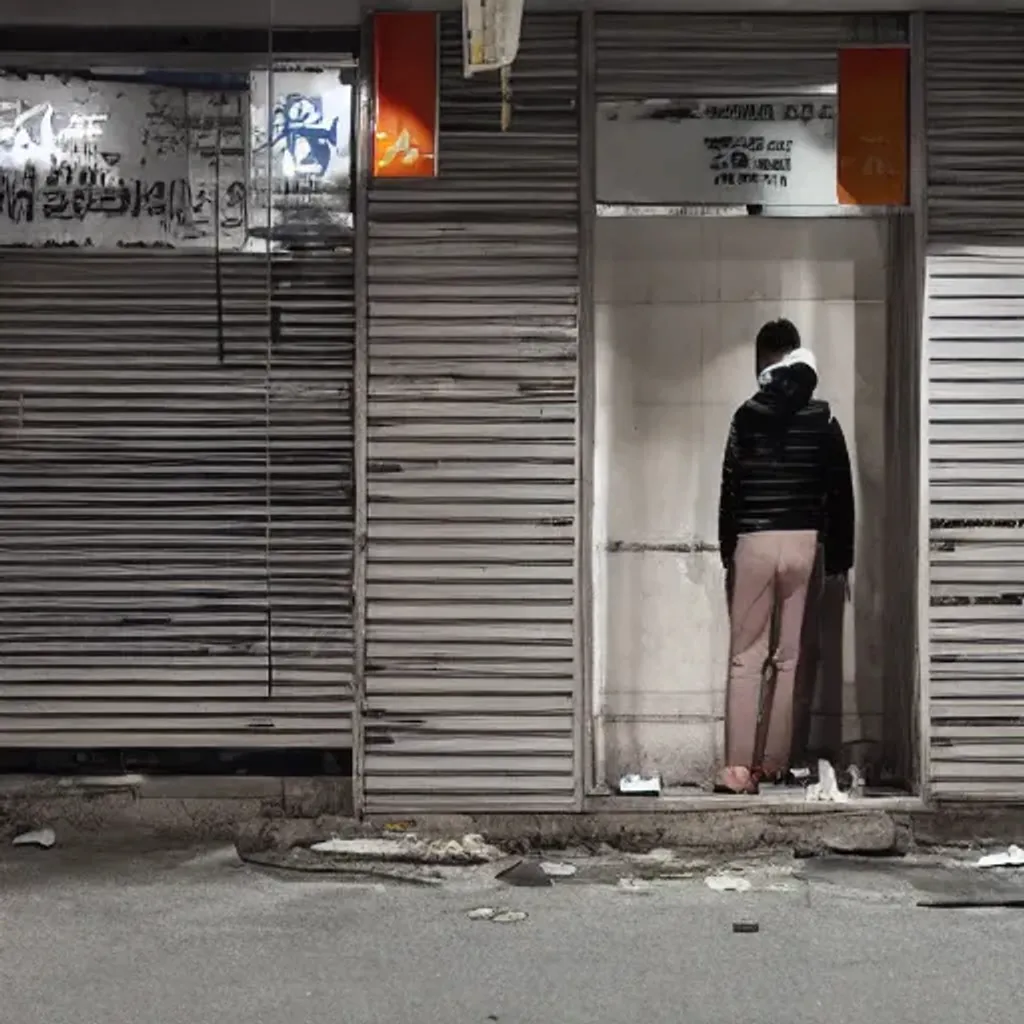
x=787, y=386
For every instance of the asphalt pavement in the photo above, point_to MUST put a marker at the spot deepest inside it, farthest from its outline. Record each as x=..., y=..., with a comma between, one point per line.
x=199, y=938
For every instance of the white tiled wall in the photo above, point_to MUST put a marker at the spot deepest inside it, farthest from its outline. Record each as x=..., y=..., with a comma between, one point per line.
x=679, y=302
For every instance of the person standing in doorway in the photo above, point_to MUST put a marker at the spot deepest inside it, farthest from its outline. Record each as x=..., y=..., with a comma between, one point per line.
x=786, y=483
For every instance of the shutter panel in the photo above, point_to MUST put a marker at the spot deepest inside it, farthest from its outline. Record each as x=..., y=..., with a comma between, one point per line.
x=975, y=82
x=975, y=325
x=134, y=506
x=473, y=291
x=311, y=479
x=664, y=56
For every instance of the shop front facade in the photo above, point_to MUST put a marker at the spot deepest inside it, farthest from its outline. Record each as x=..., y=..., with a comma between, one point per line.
x=429, y=474
x=178, y=348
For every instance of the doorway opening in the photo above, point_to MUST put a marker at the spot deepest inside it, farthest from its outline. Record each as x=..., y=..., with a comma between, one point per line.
x=678, y=303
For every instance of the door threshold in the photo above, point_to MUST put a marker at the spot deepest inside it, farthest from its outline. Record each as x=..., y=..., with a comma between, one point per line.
x=791, y=801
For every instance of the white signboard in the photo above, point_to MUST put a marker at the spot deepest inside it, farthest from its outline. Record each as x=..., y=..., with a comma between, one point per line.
x=301, y=159
x=727, y=152
x=103, y=164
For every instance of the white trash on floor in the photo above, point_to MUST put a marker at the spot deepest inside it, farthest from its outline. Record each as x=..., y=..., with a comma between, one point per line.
x=727, y=883
x=826, y=789
x=1012, y=857
x=41, y=837
x=497, y=915
x=509, y=916
x=640, y=785
x=555, y=870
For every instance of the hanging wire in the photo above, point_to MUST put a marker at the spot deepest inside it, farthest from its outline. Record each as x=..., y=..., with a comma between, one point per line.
x=217, y=269
x=269, y=356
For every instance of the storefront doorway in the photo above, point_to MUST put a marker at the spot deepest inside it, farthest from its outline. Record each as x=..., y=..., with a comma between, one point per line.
x=723, y=198
x=678, y=302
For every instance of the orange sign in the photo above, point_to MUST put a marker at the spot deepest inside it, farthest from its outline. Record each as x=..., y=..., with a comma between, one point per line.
x=871, y=136
x=405, y=90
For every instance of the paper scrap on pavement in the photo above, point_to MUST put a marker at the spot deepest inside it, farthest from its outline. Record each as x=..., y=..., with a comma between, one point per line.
x=639, y=785
x=1012, y=857
x=554, y=870
x=41, y=837
x=509, y=916
x=497, y=914
x=727, y=883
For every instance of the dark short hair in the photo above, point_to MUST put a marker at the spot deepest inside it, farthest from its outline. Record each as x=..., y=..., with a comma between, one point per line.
x=776, y=339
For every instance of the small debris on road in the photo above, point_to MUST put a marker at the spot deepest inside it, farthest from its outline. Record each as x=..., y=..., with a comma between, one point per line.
x=44, y=838
x=1012, y=857
x=727, y=883
x=640, y=785
x=509, y=916
x=525, y=874
x=974, y=903
x=497, y=915
x=745, y=927
x=555, y=870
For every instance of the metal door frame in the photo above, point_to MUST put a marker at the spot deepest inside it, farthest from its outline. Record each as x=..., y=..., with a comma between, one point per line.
x=363, y=132
x=919, y=205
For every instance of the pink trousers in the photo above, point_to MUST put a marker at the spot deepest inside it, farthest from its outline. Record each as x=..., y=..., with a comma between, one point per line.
x=769, y=569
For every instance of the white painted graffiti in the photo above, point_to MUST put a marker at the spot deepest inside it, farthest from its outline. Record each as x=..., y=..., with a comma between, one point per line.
x=30, y=136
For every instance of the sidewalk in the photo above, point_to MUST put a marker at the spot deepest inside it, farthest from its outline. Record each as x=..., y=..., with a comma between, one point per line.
x=276, y=814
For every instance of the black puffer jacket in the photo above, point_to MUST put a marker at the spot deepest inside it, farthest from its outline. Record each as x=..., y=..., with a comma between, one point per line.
x=786, y=467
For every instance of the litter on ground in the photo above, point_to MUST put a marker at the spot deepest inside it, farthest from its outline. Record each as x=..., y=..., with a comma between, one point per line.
x=727, y=883
x=554, y=870
x=44, y=838
x=826, y=789
x=1012, y=857
x=497, y=915
x=640, y=785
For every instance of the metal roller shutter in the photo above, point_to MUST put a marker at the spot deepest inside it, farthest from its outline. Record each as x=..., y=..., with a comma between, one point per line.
x=473, y=290
x=975, y=82
x=975, y=85
x=150, y=553
x=311, y=492
x=664, y=56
